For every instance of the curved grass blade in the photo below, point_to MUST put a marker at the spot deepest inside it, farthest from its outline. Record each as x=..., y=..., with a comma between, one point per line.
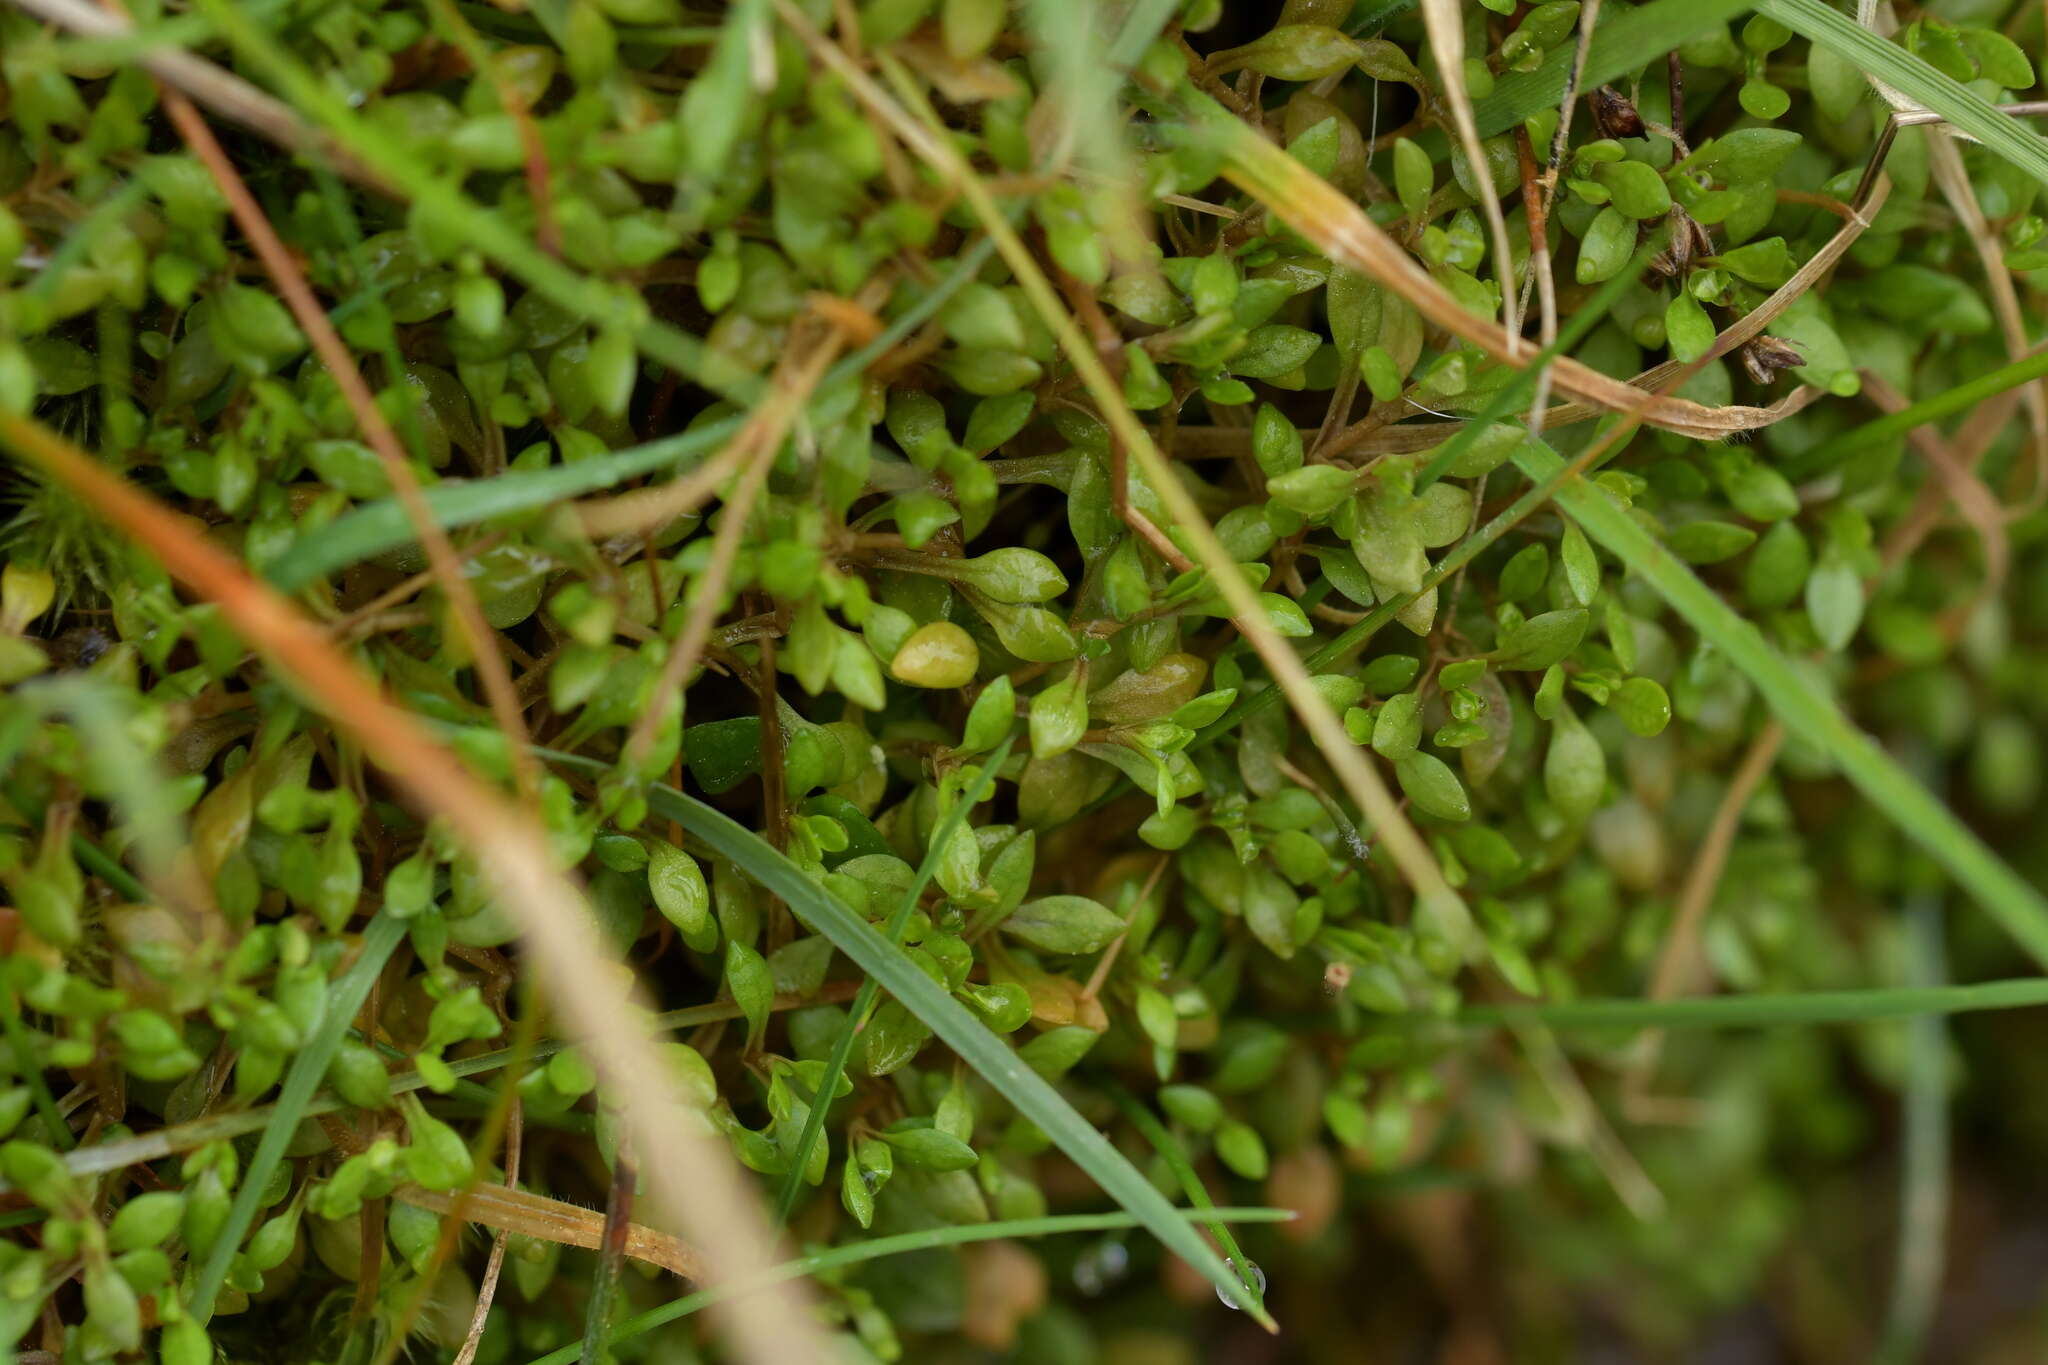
x=926, y=1239
x=946, y=1017
x=344, y=998
x=1906, y=73
x=1797, y=1009
x=1829, y=455
x=1806, y=711
x=864, y=1003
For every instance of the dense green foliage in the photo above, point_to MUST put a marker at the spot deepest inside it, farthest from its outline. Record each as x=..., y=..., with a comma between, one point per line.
x=928, y=629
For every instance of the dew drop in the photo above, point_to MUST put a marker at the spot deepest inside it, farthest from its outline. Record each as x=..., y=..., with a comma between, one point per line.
x=1256, y=1276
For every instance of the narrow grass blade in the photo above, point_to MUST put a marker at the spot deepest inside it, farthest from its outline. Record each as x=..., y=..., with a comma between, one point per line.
x=1625, y=40
x=1802, y=1009
x=949, y=1020
x=1146, y=22
x=927, y=1239
x=30, y=1069
x=378, y=526
x=344, y=998
x=864, y=1003
x=1906, y=73
x=1829, y=454
x=71, y=251
x=1808, y=712
x=90, y=855
x=1176, y=1158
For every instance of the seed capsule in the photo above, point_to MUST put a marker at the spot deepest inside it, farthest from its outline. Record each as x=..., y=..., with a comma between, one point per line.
x=937, y=655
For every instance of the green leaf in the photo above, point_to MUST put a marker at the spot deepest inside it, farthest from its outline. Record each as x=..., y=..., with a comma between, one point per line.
x=1064, y=924
x=1433, y=787
x=931, y=1150
x=1710, y=542
x=1059, y=715
x=1834, y=601
x=1542, y=640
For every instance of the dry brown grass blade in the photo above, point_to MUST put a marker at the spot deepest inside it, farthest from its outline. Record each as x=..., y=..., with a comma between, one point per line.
x=552, y=1220
x=1436, y=899
x=1949, y=173
x=1373, y=436
x=695, y=1180
x=1955, y=476
x=1445, y=22
x=487, y=1290
x=226, y=94
x=334, y=355
x=1342, y=231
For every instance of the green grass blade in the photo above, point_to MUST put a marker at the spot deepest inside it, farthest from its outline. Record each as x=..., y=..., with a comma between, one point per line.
x=1624, y=40
x=95, y=859
x=1800, y=1009
x=379, y=526
x=344, y=998
x=1176, y=1158
x=71, y=251
x=1367, y=21
x=864, y=1003
x=1807, y=711
x=1027, y=1092
x=1904, y=72
x=30, y=1069
x=927, y=1239
x=1829, y=454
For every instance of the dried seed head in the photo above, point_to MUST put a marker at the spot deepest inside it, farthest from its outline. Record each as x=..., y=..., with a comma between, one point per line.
x=1767, y=356
x=1615, y=113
